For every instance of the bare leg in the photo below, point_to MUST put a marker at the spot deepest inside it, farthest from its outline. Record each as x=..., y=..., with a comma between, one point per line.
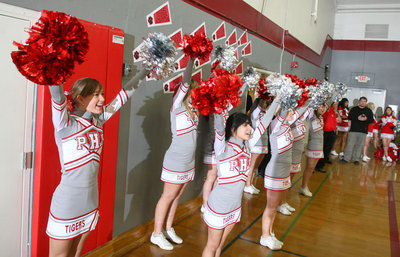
x=227, y=230
x=386, y=142
x=212, y=174
x=273, y=200
x=60, y=248
x=77, y=245
x=213, y=242
x=254, y=163
x=344, y=141
x=311, y=162
x=172, y=209
x=169, y=194
x=367, y=140
x=338, y=141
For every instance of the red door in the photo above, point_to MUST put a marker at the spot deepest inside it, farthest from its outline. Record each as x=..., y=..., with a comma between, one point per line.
x=104, y=63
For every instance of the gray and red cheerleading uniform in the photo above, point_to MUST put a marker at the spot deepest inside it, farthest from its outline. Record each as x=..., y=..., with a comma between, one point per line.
x=233, y=160
x=178, y=165
x=299, y=131
x=79, y=139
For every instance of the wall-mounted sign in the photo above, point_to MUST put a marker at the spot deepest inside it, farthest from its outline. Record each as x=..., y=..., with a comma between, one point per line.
x=362, y=79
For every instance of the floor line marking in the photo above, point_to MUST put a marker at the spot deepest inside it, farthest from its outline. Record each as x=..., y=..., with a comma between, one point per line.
x=282, y=250
x=394, y=232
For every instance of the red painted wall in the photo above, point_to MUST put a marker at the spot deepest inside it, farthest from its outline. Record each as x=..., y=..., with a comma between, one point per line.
x=104, y=63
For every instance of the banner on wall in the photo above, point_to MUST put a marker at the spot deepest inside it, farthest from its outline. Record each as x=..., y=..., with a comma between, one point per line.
x=160, y=16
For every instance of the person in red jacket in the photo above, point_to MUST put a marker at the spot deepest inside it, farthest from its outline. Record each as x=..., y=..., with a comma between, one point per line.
x=372, y=133
x=387, y=123
x=330, y=125
x=342, y=128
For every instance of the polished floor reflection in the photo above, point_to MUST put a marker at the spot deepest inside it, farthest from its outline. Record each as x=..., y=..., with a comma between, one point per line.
x=352, y=213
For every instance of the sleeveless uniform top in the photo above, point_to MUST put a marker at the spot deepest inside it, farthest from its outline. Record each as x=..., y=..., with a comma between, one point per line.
x=316, y=138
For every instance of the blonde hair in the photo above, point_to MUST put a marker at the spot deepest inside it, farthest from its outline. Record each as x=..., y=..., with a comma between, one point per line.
x=371, y=105
x=186, y=99
x=84, y=87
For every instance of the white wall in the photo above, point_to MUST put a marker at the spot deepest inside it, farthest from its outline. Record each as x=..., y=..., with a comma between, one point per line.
x=351, y=24
x=295, y=16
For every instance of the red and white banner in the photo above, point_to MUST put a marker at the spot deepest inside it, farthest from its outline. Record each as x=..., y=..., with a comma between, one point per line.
x=200, y=30
x=160, y=16
x=170, y=84
x=136, y=53
x=243, y=39
x=220, y=33
x=197, y=76
x=246, y=50
x=239, y=68
x=198, y=63
x=232, y=39
x=181, y=63
x=176, y=36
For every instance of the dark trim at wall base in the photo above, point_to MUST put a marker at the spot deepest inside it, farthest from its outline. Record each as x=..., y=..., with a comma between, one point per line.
x=244, y=16
x=366, y=45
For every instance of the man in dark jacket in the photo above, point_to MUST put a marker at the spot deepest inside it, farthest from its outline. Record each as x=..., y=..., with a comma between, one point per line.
x=359, y=116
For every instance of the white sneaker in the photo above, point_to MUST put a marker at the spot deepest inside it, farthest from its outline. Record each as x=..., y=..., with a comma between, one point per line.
x=282, y=209
x=341, y=154
x=173, y=236
x=256, y=189
x=250, y=190
x=290, y=208
x=202, y=208
x=305, y=191
x=365, y=158
x=334, y=153
x=161, y=241
x=384, y=158
x=271, y=242
x=389, y=159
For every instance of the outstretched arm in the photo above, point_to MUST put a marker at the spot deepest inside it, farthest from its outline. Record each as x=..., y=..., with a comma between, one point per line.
x=184, y=86
x=219, y=126
x=58, y=107
x=123, y=96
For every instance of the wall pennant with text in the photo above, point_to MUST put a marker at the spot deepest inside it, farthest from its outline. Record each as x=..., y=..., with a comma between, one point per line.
x=197, y=76
x=243, y=39
x=200, y=30
x=239, y=68
x=181, y=63
x=136, y=53
x=232, y=39
x=169, y=85
x=247, y=50
x=220, y=33
x=177, y=36
x=198, y=63
x=160, y=16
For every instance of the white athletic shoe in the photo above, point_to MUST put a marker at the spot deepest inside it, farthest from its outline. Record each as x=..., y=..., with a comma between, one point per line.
x=282, y=209
x=389, y=159
x=202, y=209
x=290, y=208
x=305, y=191
x=256, y=189
x=384, y=158
x=271, y=242
x=365, y=158
x=173, y=236
x=161, y=241
x=250, y=190
x=341, y=154
x=334, y=153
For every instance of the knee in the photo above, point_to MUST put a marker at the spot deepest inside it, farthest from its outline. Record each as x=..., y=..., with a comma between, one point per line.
x=168, y=196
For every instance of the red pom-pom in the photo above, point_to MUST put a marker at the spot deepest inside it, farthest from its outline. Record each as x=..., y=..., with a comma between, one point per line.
x=215, y=94
x=197, y=46
x=262, y=90
x=56, y=42
x=303, y=85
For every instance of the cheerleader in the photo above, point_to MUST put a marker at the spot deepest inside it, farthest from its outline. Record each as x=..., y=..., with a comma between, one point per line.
x=299, y=130
x=387, y=122
x=79, y=138
x=178, y=165
x=315, y=147
x=261, y=147
x=372, y=133
x=223, y=208
x=342, y=128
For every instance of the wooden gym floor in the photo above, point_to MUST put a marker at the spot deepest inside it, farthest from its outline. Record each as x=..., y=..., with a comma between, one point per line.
x=352, y=213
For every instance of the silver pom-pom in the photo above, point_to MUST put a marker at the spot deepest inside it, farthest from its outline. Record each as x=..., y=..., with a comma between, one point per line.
x=251, y=77
x=226, y=56
x=289, y=93
x=320, y=94
x=159, y=53
x=339, y=92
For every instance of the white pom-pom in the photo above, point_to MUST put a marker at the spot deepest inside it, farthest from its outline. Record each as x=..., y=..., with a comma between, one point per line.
x=251, y=77
x=226, y=56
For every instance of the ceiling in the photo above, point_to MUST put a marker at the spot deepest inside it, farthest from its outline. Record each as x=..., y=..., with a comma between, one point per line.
x=361, y=2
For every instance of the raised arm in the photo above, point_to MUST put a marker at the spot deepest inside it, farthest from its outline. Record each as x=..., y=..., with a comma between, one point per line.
x=184, y=86
x=219, y=126
x=58, y=107
x=123, y=96
x=263, y=122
